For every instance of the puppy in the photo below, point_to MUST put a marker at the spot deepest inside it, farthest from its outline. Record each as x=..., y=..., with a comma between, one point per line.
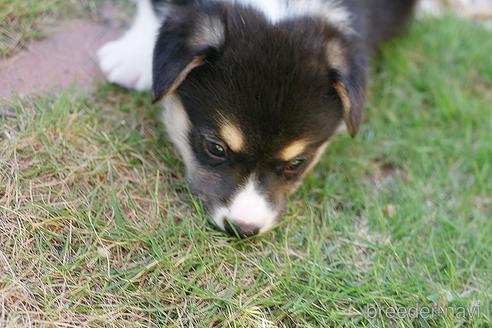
x=253, y=90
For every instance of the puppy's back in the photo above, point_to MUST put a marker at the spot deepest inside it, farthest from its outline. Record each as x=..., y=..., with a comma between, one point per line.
x=380, y=20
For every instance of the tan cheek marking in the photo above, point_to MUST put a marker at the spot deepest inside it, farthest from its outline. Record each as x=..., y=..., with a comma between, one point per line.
x=233, y=137
x=319, y=153
x=293, y=150
x=317, y=157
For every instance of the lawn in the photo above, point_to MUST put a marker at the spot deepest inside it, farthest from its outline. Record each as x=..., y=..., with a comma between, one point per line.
x=98, y=228
x=22, y=21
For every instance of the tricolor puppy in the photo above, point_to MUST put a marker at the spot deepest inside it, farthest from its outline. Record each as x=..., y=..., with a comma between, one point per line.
x=253, y=90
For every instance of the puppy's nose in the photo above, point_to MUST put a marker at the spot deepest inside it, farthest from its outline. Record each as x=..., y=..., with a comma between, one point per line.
x=241, y=230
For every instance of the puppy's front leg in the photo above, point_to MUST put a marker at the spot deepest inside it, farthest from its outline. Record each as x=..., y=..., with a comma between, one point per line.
x=128, y=60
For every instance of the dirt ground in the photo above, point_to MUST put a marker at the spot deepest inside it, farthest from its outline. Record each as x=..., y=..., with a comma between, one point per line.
x=63, y=59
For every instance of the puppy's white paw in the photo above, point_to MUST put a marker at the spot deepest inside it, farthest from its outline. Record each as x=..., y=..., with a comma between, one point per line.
x=128, y=62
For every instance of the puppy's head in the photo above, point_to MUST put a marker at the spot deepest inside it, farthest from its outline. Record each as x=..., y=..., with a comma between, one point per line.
x=252, y=105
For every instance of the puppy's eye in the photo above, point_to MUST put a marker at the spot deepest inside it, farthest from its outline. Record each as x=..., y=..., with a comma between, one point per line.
x=215, y=149
x=295, y=165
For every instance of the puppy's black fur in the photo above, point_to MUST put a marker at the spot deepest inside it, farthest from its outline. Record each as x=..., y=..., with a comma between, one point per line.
x=278, y=83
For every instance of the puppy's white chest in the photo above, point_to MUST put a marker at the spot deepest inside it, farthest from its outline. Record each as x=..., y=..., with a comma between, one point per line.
x=279, y=10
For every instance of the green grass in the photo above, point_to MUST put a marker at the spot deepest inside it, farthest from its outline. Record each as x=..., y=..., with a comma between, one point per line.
x=98, y=228
x=22, y=21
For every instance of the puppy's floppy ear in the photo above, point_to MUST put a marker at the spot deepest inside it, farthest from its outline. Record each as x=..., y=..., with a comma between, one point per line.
x=189, y=37
x=348, y=77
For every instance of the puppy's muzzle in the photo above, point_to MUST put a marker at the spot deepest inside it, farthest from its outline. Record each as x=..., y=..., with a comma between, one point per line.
x=241, y=230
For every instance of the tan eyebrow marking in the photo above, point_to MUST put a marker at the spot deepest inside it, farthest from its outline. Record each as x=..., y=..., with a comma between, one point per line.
x=293, y=150
x=233, y=136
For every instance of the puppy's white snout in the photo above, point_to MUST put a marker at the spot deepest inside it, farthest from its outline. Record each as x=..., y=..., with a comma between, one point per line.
x=249, y=211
